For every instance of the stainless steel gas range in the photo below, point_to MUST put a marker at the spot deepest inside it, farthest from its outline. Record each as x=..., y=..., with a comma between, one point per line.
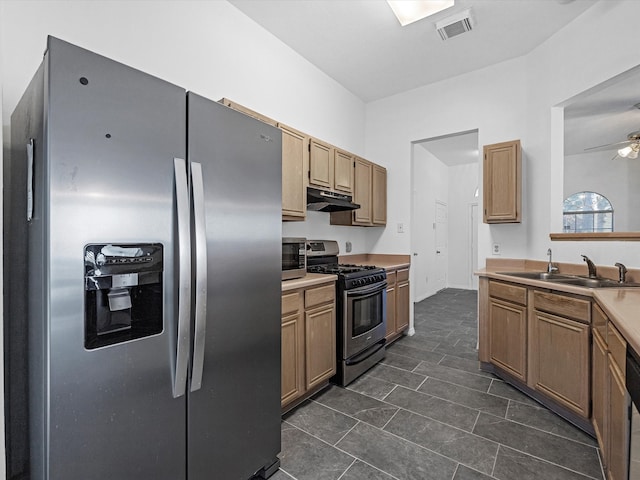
x=361, y=310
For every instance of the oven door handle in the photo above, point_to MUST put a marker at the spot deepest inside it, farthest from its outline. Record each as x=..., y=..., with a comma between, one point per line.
x=362, y=356
x=366, y=290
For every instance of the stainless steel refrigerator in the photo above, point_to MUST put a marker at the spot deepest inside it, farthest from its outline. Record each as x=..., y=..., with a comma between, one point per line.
x=142, y=279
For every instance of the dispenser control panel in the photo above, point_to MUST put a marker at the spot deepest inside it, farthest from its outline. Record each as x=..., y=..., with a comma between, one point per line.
x=123, y=292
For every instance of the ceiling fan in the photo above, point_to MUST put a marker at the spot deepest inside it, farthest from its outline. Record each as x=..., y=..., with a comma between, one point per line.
x=631, y=147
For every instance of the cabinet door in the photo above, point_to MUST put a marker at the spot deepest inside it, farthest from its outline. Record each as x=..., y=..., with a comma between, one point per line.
x=320, y=165
x=362, y=192
x=618, y=424
x=292, y=359
x=599, y=393
x=402, y=300
x=343, y=172
x=379, y=195
x=391, y=312
x=320, y=340
x=561, y=360
x=502, y=181
x=295, y=159
x=508, y=337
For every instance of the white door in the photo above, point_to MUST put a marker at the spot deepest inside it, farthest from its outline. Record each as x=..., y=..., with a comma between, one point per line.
x=441, y=254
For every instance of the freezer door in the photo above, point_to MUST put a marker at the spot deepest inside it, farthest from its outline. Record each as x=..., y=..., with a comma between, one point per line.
x=113, y=133
x=234, y=417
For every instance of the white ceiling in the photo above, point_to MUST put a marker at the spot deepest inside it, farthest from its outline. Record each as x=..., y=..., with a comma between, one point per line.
x=457, y=149
x=361, y=44
x=603, y=116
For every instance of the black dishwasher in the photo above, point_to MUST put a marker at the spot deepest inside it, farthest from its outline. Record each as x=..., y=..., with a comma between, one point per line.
x=633, y=387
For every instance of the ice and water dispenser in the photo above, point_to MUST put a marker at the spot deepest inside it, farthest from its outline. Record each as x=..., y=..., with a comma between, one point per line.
x=123, y=292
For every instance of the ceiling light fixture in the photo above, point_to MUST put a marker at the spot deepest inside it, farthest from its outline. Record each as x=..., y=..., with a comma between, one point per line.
x=630, y=151
x=409, y=11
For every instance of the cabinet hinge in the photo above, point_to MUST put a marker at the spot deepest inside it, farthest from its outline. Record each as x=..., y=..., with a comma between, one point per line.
x=309, y=174
x=309, y=148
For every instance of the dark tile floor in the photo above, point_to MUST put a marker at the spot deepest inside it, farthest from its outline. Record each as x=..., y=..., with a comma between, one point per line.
x=427, y=412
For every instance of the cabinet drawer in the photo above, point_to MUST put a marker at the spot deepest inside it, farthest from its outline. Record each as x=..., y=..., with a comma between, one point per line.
x=617, y=346
x=507, y=291
x=563, y=305
x=319, y=295
x=391, y=278
x=403, y=275
x=290, y=303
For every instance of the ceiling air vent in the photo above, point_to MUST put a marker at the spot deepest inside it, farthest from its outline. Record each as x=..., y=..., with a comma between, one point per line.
x=455, y=25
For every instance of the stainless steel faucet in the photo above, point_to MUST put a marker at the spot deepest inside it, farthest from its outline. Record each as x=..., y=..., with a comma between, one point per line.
x=591, y=266
x=551, y=268
x=622, y=272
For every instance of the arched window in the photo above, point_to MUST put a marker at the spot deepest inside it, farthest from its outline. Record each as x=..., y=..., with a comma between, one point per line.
x=587, y=212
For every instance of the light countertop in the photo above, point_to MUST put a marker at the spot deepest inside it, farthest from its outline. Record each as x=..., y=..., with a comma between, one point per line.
x=309, y=280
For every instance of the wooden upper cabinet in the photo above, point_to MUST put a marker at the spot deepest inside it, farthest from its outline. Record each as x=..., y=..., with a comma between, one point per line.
x=362, y=192
x=379, y=195
x=321, y=164
x=370, y=192
x=502, y=182
x=295, y=164
x=343, y=172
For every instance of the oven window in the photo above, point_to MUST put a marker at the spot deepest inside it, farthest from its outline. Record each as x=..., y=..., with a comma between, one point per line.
x=367, y=313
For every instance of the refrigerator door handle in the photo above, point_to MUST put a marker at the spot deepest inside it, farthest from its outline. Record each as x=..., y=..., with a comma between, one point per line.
x=200, y=323
x=30, y=148
x=184, y=278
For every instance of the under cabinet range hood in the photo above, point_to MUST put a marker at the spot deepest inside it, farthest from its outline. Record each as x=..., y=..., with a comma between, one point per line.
x=326, y=201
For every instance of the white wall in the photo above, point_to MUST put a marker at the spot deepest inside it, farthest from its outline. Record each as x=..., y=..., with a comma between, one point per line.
x=491, y=100
x=510, y=100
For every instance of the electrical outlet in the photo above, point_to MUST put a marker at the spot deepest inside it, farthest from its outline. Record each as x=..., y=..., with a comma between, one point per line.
x=348, y=246
x=496, y=249
x=401, y=228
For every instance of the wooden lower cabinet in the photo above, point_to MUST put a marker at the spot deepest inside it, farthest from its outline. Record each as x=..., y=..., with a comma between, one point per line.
x=508, y=337
x=560, y=355
x=320, y=338
x=308, y=341
x=292, y=383
x=599, y=392
x=615, y=444
x=560, y=360
x=507, y=328
x=398, y=303
x=617, y=465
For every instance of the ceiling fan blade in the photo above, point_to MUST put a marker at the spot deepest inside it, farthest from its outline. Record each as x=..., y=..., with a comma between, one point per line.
x=608, y=146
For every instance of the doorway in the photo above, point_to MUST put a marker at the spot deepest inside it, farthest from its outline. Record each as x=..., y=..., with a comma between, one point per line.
x=445, y=172
x=441, y=255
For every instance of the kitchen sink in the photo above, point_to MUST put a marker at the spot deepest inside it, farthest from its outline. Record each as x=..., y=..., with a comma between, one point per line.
x=539, y=275
x=571, y=279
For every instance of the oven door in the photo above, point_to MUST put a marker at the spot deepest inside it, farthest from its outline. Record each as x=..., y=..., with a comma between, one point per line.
x=364, y=317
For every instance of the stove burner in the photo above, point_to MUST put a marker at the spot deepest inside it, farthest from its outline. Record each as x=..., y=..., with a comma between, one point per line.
x=339, y=269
